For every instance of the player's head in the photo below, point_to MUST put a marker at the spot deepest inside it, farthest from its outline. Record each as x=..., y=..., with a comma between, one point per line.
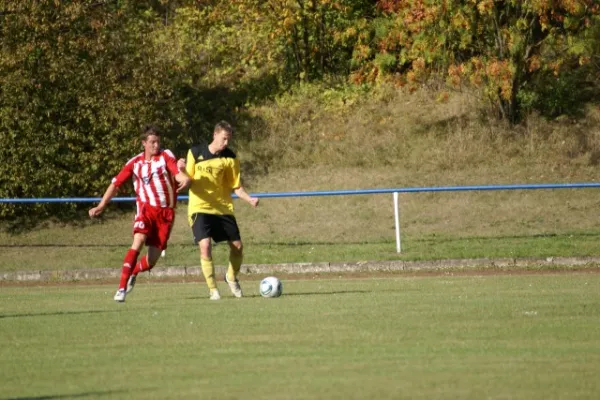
x=150, y=140
x=222, y=135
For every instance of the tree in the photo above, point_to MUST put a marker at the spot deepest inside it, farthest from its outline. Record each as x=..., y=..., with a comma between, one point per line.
x=77, y=81
x=501, y=46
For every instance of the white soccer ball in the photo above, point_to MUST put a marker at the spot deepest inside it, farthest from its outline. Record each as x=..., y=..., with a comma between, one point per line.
x=270, y=287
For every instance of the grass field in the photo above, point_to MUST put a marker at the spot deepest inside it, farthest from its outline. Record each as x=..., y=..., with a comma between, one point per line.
x=393, y=337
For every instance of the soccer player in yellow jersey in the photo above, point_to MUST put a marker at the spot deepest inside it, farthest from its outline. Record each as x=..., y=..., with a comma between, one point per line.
x=215, y=172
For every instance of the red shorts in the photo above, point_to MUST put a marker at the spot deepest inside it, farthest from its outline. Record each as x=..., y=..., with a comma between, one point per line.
x=156, y=223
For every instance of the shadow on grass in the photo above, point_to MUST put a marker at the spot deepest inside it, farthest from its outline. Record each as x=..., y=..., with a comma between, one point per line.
x=66, y=396
x=2, y=316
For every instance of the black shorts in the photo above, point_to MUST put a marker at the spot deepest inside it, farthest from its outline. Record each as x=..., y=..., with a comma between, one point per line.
x=217, y=227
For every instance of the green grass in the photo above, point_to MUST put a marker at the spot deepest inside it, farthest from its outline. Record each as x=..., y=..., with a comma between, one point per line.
x=493, y=337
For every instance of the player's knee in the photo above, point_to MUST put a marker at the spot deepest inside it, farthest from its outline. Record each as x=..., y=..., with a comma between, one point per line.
x=237, y=247
x=205, y=252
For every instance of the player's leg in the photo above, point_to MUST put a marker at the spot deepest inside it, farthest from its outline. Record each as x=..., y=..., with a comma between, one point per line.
x=208, y=268
x=146, y=263
x=229, y=231
x=142, y=226
x=202, y=225
x=156, y=241
x=159, y=223
x=236, y=256
x=128, y=264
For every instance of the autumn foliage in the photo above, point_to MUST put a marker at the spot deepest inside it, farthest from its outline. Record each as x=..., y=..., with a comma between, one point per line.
x=79, y=77
x=506, y=48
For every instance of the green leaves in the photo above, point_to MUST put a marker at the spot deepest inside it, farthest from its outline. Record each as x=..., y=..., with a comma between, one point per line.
x=77, y=83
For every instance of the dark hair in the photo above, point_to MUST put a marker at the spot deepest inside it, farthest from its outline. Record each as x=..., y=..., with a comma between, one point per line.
x=223, y=126
x=148, y=130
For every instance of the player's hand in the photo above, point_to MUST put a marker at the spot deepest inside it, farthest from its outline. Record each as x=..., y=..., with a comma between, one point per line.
x=181, y=164
x=254, y=201
x=183, y=182
x=181, y=186
x=94, y=212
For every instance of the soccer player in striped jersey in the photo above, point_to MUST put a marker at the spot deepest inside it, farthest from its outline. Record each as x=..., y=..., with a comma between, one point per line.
x=156, y=179
x=215, y=172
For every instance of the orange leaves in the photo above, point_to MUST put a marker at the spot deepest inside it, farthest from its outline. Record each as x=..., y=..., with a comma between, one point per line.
x=493, y=73
x=460, y=21
x=96, y=24
x=555, y=66
x=584, y=60
x=414, y=15
x=485, y=7
x=443, y=97
x=288, y=22
x=534, y=63
x=495, y=68
x=418, y=65
x=362, y=52
x=572, y=6
x=390, y=6
x=500, y=74
x=455, y=75
x=418, y=71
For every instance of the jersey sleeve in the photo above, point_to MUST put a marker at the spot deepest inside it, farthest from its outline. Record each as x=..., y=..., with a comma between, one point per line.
x=235, y=179
x=171, y=162
x=124, y=175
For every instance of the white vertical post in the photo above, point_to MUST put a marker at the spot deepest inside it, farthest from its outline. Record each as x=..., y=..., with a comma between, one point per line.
x=397, y=221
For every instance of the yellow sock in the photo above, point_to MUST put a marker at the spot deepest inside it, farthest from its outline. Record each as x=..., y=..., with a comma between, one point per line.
x=208, y=269
x=235, y=263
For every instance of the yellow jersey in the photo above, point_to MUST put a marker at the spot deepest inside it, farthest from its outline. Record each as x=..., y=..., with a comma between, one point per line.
x=214, y=177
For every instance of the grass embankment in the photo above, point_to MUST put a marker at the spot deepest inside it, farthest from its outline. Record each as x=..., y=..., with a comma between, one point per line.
x=337, y=140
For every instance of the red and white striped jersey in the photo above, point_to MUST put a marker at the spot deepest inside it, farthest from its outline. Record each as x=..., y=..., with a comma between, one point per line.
x=153, y=180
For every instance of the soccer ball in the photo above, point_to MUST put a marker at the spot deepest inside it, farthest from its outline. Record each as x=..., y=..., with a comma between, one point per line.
x=270, y=287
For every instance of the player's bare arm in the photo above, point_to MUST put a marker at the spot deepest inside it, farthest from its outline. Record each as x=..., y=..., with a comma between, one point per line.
x=111, y=191
x=242, y=194
x=183, y=180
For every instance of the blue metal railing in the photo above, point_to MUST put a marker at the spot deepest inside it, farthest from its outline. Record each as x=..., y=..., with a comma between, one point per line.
x=333, y=192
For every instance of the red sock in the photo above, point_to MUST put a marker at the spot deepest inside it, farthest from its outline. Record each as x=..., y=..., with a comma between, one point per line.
x=128, y=263
x=142, y=265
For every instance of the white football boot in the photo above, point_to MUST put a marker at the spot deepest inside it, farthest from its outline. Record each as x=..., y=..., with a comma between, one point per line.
x=214, y=294
x=120, y=295
x=235, y=287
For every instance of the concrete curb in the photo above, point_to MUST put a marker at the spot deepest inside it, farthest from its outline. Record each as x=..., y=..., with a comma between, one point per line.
x=308, y=268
